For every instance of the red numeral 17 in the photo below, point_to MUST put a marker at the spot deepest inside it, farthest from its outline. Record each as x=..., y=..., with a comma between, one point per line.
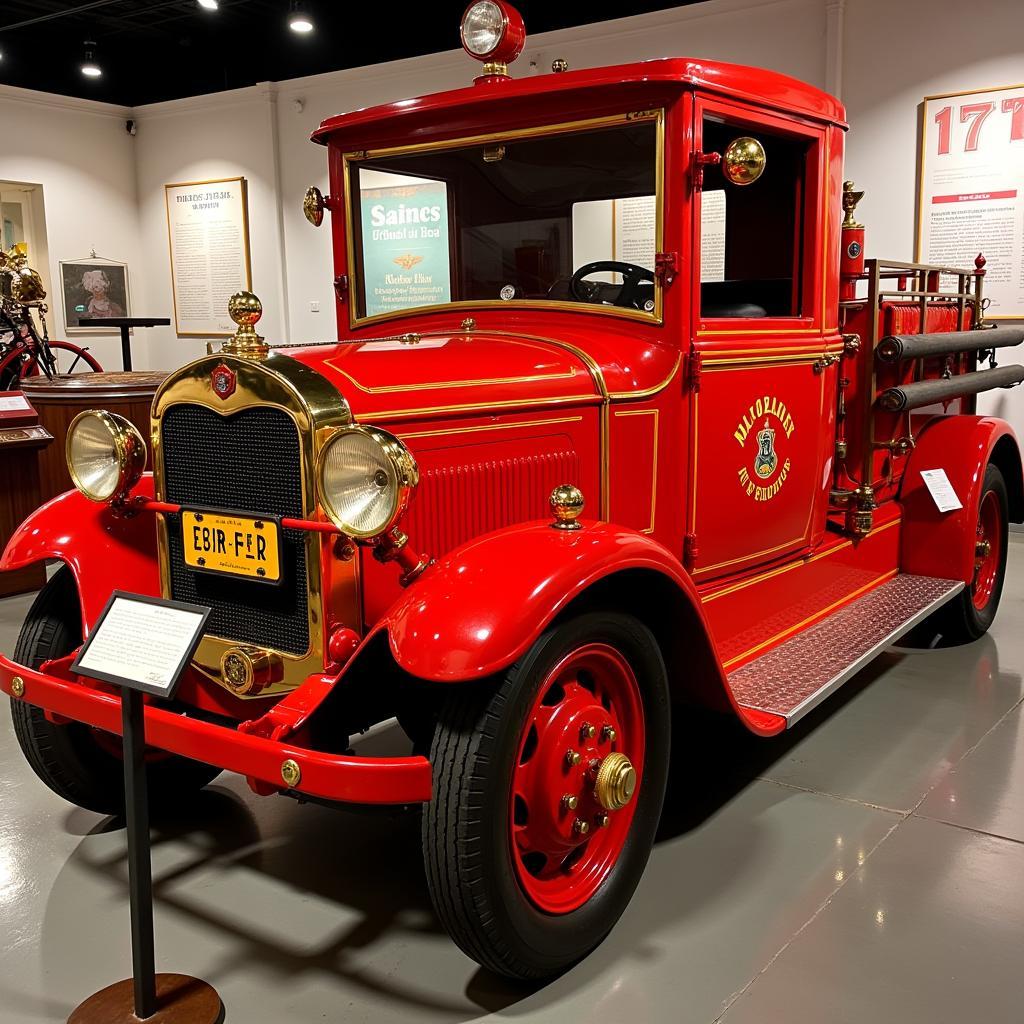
x=977, y=113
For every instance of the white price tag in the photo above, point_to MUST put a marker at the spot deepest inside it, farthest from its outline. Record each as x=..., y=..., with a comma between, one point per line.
x=14, y=403
x=941, y=490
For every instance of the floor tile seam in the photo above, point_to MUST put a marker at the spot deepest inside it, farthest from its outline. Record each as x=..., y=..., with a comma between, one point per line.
x=903, y=812
x=814, y=916
x=967, y=828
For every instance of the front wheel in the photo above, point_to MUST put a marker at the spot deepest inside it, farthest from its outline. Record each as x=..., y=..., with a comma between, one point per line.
x=971, y=613
x=548, y=787
x=81, y=764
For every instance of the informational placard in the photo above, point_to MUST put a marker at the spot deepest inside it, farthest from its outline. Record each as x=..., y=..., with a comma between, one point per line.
x=13, y=403
x=712, y=235
x=941, y=490
x=406, y=253
x=614, y=229
x=208, y=233
x=141, y=642
x=971, y=189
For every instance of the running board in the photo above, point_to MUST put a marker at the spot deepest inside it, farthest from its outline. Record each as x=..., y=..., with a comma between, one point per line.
x=798, y=675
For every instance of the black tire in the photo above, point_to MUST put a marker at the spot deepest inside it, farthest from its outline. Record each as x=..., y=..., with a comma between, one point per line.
x=69, y=758
x=470, y=873
x=961, y=620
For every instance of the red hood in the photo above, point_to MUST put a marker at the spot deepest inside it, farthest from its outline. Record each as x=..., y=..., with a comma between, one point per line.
x=393, y=379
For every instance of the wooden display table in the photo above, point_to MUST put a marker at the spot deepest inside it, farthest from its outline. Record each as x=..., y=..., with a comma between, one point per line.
x=22, y=440
x=60, y=400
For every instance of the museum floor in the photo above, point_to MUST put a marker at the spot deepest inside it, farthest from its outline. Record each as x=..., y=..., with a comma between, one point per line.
x=868, y=866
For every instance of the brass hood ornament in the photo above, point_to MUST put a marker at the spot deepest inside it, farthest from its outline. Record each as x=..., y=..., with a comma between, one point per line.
x=245, y=309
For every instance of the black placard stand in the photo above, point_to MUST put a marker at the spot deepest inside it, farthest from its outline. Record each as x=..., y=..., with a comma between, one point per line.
x=146, y=996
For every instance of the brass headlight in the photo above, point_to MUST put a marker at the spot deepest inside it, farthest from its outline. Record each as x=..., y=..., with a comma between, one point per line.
x=366, y=478
x=106, y=454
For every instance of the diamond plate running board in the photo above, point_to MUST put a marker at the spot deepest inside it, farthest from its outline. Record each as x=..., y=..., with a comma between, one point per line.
x=798, y=675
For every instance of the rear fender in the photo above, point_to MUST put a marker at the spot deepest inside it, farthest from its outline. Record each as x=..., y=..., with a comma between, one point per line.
x=484, y=604
x=938, y=543
x=103, y=550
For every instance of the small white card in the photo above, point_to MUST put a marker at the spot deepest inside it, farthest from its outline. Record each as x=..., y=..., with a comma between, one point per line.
x=143, y=643
x=941, y=490
x=14, y=403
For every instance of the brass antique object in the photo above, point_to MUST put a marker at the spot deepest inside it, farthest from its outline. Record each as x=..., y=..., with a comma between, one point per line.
x=850, y=201
x=291, y=773
x=313, y=206
x=559, y=65
x=246, y=670
x=566, y=506
x=743, y=161
x=615, y=783
x=245, y=309
x=17, y=687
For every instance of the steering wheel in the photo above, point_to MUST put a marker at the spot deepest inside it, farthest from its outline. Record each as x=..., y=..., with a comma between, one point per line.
x=629, y=294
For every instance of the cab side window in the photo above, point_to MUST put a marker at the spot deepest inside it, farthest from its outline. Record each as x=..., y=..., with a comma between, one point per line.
x=752, y=235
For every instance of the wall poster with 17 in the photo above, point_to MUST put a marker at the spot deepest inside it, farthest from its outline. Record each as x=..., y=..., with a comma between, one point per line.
x=971, y=189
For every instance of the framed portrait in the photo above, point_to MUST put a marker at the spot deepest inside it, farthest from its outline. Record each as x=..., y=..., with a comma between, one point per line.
x=93, y=288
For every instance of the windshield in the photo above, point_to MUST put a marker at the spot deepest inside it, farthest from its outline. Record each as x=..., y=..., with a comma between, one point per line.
x=569, y=216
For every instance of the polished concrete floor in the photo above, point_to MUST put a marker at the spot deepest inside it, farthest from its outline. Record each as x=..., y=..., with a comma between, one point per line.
x=868, y=866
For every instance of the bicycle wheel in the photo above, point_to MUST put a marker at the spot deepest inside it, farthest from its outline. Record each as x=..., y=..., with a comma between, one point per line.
x=80, y=360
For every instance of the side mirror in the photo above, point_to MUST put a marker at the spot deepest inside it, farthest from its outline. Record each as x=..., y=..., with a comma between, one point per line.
x=743, y=161
x=313, y=206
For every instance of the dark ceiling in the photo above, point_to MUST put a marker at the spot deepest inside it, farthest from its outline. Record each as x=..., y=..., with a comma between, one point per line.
x=166, y=49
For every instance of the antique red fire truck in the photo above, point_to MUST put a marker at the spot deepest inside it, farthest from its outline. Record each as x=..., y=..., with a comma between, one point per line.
x=631, y=293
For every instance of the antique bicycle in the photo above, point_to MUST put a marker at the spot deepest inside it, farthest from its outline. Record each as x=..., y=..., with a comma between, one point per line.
x=25, y=348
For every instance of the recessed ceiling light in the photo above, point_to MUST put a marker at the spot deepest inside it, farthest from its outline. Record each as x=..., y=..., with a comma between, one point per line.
x=298, y=20
x=209, y=5
x=89, y=66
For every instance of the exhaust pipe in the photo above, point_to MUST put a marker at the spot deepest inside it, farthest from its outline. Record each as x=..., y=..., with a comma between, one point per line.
x=913, y=346
x=928, y=392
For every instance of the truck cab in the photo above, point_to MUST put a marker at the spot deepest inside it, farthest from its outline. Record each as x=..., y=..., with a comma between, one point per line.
x=618, y=418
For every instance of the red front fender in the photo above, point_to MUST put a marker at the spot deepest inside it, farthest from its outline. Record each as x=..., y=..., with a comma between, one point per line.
x=942, y=544
x=483, y=605
x=104, y=551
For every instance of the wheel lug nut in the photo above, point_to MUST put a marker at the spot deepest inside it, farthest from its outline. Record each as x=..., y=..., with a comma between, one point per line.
x=587, y=731
x=608, y=734
x=572, y=757
x=570, y=801
x=580, y=827
x=602, y=820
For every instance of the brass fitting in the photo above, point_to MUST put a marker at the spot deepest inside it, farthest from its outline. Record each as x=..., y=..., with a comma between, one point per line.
x=566, y=506
x=615, y=783
x=245, y=309
x=570, y=801
x=572, y=758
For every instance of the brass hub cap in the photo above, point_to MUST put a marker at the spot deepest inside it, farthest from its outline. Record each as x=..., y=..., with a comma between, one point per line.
x=615, y=783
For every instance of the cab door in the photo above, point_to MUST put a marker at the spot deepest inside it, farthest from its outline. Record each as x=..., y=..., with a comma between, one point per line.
x=763, y=372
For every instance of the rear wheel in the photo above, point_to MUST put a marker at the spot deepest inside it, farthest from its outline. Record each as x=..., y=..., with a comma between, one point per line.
x=79, y=763
x=972, y=612
x=549, y=785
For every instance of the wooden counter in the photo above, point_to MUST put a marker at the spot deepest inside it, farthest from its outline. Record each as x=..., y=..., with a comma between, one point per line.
x=60, y=400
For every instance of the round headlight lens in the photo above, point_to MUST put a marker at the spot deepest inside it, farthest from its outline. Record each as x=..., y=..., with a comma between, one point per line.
x=482, y=28
x=366, y=478
x=106, y=454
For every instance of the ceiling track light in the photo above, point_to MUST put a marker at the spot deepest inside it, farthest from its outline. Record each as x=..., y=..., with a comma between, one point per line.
x=208, y=5
x=298, y=19
x=89, y=66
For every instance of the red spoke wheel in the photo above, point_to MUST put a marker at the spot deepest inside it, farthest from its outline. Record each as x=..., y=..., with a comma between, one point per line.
x=587, y=715
x=970, y=615
x=549, y=783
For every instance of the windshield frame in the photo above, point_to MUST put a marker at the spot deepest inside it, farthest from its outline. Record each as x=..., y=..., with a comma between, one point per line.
x=655, y=115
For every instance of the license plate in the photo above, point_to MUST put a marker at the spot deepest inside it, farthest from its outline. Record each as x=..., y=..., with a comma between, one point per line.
x=233, y=545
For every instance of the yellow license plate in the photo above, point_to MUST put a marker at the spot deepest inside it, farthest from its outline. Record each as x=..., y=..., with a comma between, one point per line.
x=235, y=545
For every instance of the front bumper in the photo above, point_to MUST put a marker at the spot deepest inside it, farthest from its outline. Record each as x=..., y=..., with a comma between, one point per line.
x=338, y=777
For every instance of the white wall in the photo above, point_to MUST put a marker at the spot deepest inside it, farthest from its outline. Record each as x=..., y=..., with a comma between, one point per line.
x=81, y=155
x=103, y=188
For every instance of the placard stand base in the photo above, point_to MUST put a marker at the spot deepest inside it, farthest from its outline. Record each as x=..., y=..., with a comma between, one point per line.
x=180, y=1000
x=146, y=996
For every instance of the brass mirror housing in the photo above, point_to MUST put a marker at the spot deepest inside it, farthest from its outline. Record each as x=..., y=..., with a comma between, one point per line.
x=743, y=161
x=313, y=206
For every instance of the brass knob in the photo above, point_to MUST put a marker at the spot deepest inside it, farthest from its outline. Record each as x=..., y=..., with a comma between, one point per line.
x=291, y=773
x=615, y=783
x=566, y=506
x=245, y=309
x=313, y=206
